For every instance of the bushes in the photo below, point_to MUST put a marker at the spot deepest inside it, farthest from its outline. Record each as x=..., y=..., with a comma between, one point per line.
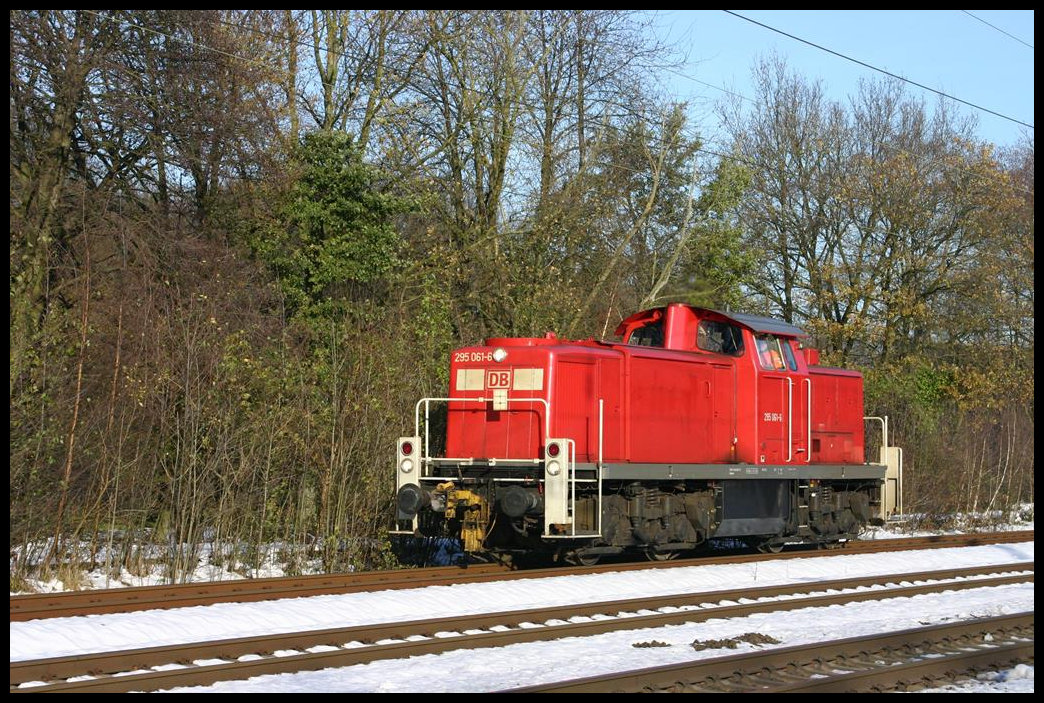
x=966, y=448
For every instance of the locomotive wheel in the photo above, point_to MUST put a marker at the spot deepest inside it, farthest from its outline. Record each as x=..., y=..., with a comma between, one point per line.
x=652, y=555
x=770, y=547
x=578, y=558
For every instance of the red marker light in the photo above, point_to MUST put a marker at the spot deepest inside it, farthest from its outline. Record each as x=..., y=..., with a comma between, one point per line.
x=552, y=450
x=407, y=448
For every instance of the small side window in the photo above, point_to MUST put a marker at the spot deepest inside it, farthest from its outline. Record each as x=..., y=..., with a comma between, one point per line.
x=719, y=338
x=789, y=353
x=650, y=335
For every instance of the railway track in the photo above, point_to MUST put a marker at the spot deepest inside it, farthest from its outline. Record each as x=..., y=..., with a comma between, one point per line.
x=122, y=600
x=160, y=668
x=897, y=661
x=66, y=604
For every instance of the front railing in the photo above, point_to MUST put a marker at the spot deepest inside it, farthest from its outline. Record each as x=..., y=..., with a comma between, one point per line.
x=559, y=470
x=892, y=458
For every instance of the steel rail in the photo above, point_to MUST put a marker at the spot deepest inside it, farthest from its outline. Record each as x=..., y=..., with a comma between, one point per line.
x=881, y=661
x=106, y=666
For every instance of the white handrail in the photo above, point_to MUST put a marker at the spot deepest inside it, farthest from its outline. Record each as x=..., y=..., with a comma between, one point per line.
x=884, y=427
x=790, y=418
x=601, y=461
x=808, y=445
x=571, y=472
x=427, y=406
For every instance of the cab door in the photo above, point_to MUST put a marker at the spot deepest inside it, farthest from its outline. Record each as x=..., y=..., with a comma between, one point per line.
x=782, y=405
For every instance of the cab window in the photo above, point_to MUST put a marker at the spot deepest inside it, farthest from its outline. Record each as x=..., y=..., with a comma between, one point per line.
x=648, y=335
x=719, y=338
x=770, y=352
x=788, y=352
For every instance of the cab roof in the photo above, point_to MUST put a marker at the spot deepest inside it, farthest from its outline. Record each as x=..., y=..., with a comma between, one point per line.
x=768, y=325
x=756, y=323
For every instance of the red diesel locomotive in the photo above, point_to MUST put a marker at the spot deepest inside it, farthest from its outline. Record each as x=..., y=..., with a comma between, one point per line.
x=699, y=424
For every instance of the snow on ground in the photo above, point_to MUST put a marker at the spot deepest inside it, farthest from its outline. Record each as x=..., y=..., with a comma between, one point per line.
x=213, y=557
x=526, y=664
x=153, y=572
x=1017, y=680
x=545, y=662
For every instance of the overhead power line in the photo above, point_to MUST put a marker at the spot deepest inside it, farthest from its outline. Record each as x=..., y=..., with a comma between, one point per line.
x=997, y=28
x=687, y=135
x=880, y=70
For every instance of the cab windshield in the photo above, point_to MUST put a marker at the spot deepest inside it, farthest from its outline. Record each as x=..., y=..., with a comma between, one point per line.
x=774, y=353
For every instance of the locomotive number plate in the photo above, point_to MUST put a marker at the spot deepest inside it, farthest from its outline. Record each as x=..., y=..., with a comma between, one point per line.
x=459, y=357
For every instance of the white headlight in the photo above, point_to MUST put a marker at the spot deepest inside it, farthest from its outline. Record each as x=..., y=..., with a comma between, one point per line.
x=553, y=468
x=406, y=466
x=499, y=354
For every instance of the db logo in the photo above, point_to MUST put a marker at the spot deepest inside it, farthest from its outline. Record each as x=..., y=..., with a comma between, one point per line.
x=498, y=379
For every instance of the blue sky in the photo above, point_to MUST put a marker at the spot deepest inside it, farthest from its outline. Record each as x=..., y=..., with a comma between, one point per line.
x=944, y=49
